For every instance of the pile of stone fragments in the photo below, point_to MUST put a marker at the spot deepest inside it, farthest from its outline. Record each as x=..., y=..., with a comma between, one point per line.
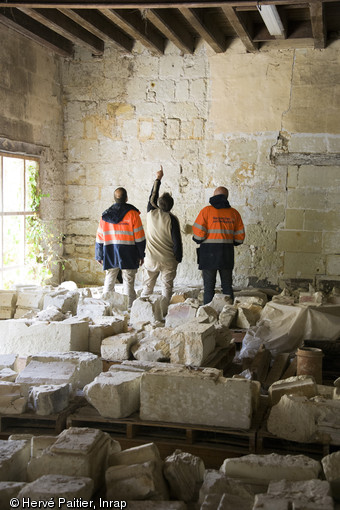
x=84, y=464
x=161, y=365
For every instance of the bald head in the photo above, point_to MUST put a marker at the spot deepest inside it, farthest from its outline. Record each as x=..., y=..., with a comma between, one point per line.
x=120, y=196
x=221, y=190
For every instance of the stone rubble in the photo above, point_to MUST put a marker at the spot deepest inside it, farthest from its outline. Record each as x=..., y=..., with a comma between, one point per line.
x=304, y=385
x=13, y=398
x=184, y=473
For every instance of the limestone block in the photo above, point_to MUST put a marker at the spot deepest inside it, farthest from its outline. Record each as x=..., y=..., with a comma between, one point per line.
x=115, y=394
x=149, y=308
x=143, y=365
x=117, y=300
x=17, y=336
x=82, y=452
x=305, y=420
x=184, y=473
x=227, y=315
x=150, y=348
x=251, y=297
x=191, y=343
x=87, y=365
x=336, y=393
x=49, y=399
x=272, y=467
x=269, y=502
x=225, y=502
x=223, y=336
x=91, y=307
x=7, y=313
x=60, y=488
x=219, y=301
x=25, y=313
x=9, y=490
x=40, y=443
x=13, y=398
x=180, y=313
x=180, y=394
x=180, y=295
x=218, y=483
x=68, y=285
x=136, y=481
x=14, y=457
x=7, y=374
x=8, y=361
x=303, y=492
x=331, y=468
x=118, y=347
x=49, y=314
x=8, y=299
x=207, y=314
x=298, y=385
x=64, y=300
x=29, y=300
x=97, y=332
x=136, y=455
x=247, y=315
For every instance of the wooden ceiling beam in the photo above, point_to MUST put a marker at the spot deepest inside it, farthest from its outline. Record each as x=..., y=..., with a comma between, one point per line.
x=64, y=26
x=99, y=25
x=136, y=27
x=172, y=29
x=209, y=32
x=318, y=25
x=240, y=28
x=143, y=4
x=34, y=30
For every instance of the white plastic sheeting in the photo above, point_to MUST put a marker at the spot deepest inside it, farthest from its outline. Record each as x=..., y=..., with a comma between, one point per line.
x=283, y=328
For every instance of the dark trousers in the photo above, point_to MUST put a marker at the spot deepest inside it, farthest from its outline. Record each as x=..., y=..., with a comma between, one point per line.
x=209, y=281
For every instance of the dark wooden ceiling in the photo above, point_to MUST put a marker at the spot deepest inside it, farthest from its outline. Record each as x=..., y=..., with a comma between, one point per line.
x=62, y=25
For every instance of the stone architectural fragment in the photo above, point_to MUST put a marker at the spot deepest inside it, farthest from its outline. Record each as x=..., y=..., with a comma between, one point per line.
x=13, y=398
x=137, y=455
x=331, y=469
x=306, y=420
x=184, y=473
x=272, y=467
x=62, y=489
x=179, y=394
x=63, y=299
x=115, y=394
x=181, y=313
x=14, y=457
x=32, y=338
x=9, y=490
x=87, y=365
x=299, y=385
x=118, y=347
x=49, y=399
x=81, y=452
x=227, y=315
x=151, y=308
x=7, y=374
x=191, y=343
x=103, y=329
x=136, y=481
x=217, y=483
x=93, y=308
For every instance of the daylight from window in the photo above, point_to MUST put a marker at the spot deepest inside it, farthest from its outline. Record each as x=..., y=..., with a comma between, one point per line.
x=16, y=208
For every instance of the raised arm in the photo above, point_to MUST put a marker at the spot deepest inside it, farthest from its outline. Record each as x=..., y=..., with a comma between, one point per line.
x=153, y=198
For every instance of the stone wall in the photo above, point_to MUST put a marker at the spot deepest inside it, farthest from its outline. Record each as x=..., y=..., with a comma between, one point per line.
x=31, y=115
x=265, y=125
x=235, y=119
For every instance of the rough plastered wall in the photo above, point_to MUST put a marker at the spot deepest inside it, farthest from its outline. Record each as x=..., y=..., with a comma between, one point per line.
x=31, y=115
x=265, y=125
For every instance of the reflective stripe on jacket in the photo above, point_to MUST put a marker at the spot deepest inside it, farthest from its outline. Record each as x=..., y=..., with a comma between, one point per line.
x=121, y=244
x=217, y=230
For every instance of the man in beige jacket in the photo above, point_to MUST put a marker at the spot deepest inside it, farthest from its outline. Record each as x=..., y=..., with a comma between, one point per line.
x=163, y=242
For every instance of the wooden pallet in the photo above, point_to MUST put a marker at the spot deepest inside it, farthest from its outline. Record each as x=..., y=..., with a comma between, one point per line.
x=33, y=423
x=269, y=443
x=212, y=444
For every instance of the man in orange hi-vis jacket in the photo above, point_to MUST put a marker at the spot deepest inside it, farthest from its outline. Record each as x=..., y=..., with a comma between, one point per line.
x=217, y=229
x=120, y=243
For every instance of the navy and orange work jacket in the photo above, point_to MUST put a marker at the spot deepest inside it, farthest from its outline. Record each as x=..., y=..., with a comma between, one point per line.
x=217, y=229
x=120, y=240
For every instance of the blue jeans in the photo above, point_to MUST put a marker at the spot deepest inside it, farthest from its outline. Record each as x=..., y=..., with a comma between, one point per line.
x=209, y=281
